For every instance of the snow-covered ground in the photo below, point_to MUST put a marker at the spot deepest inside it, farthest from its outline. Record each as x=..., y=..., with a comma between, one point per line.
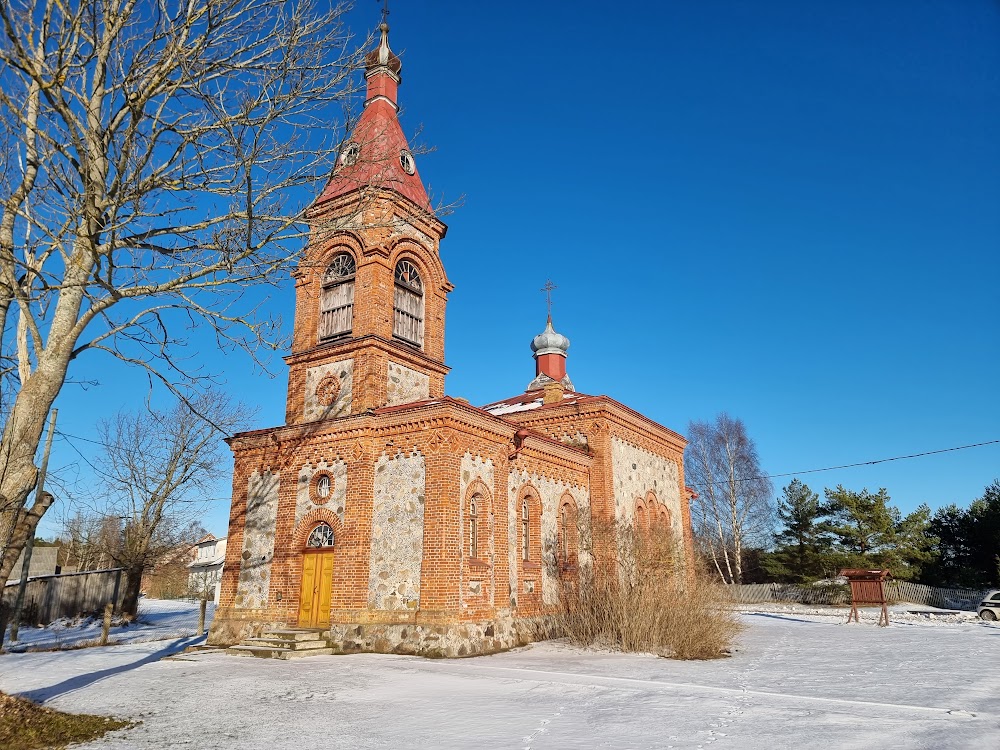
x=799, y=678
x=158, y=619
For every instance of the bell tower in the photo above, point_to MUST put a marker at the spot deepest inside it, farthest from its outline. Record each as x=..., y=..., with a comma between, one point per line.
x=370, y=291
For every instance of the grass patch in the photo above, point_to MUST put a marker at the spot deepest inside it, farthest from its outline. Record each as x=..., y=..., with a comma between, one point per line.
x=27, y=726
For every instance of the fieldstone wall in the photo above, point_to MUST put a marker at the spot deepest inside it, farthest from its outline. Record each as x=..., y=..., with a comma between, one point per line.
x=258, y=541
x=304, y=499
x=328, y=390
x=406, y=385
x=466, y=639
x=473, y=587
x=550, y=493
x=636, y=472
x=397, y=532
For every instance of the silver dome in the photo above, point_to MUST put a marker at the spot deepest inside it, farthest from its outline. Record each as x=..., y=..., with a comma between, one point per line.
x=550, y=342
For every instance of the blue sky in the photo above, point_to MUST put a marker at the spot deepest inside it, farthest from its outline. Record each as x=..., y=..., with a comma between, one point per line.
x=786, y=211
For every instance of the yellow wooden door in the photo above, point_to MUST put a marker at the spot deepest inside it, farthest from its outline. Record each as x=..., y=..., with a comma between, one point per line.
x=317, y=589
x=306, y=603
x=322, y=609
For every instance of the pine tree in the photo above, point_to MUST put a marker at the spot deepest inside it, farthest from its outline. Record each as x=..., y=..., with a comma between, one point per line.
x=863, y=524
x=803, y=543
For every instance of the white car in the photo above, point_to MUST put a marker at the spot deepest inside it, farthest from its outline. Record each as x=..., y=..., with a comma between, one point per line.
x=989, y=607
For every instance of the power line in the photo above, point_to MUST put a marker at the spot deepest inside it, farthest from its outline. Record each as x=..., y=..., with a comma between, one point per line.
x=79, y=437
x=861, y=463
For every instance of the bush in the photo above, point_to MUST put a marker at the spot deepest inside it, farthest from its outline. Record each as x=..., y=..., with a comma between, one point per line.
x=650, y=603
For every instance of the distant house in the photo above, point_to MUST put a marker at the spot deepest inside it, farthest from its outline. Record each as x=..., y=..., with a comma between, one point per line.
x=205, y=569
x=167, y=577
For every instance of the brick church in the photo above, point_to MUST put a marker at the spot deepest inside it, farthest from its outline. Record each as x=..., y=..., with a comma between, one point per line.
x=388, y=515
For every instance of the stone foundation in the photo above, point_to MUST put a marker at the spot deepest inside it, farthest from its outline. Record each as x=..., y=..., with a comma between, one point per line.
x=442, y=641
x=232, y=626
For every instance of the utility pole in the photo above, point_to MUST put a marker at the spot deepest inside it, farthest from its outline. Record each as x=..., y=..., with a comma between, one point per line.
x=30, y=543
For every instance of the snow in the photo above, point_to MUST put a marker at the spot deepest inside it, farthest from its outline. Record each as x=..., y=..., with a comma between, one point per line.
x=501, y=409
x=158, y=619
x=799, y=677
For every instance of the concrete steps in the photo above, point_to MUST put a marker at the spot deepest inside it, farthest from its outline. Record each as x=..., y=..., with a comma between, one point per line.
x=283, y=644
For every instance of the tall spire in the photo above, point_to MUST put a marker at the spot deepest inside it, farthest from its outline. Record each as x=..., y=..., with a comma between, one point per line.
x=377, y=154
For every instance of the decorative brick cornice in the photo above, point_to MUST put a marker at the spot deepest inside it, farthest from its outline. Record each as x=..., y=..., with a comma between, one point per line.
x=342, y=349
x=403, y=208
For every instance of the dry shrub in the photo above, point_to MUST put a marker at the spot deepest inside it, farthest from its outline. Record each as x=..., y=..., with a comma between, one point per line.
x=649, y=602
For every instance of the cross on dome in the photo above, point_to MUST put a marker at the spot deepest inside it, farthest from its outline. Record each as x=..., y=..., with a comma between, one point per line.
x=549, y=349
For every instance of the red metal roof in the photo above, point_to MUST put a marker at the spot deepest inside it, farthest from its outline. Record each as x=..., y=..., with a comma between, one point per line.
x=533, y=400
x=378, y=163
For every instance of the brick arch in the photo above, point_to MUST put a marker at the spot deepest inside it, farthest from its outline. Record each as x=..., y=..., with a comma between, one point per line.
x=483, y=514
x=431, y=271
x=640, y=516
x=663, y=516
x=342, y=241
x=569, y=531
x=309, y=521
x=528, y=492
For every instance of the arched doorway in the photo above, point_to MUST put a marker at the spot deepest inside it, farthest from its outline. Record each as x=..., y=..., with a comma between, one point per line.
x=317, y=578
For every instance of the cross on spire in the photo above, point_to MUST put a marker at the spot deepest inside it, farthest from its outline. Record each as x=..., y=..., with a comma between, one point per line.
x=385, y=11
x=549, y=286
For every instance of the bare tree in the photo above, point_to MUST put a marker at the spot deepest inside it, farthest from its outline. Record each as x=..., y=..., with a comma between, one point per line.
x=157, y=469
x=733, y=507
x=156, y=161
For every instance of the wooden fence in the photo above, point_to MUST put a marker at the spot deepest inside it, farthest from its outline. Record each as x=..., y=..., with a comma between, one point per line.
x=896, y=591
x=48, y=598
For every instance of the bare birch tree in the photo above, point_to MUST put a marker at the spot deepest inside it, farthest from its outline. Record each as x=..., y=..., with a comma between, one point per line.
x=733, y=507
x=156, y=160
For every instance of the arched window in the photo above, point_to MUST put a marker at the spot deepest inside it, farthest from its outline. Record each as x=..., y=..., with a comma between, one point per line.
x=408, y=308
x=321, y=536
x=336, y=307
x=569, y=541
x=641, y=520
x=474, y=528
x=525, y=529
x=564, y=525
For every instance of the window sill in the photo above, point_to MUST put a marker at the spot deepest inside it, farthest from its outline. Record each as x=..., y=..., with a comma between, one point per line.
x=475, y=562
x=530, y=565
x=411, y=344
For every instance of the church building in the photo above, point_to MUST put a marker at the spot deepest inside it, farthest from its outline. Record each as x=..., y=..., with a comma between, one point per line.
x=387, y=515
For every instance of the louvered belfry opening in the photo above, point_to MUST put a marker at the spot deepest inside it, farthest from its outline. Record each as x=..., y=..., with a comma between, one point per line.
x=336, y=315
x=408, y=308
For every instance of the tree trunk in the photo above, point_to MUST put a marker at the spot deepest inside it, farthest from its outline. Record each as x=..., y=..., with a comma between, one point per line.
x=21, y=436
x=133, y=585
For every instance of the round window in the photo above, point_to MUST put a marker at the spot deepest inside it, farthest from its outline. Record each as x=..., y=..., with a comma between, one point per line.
x=406, y=162
x=349, y=156
x=322, y=488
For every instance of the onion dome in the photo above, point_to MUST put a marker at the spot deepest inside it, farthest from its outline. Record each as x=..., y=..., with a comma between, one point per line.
x=550, y=359
x=382, y=55
x=549, y=342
